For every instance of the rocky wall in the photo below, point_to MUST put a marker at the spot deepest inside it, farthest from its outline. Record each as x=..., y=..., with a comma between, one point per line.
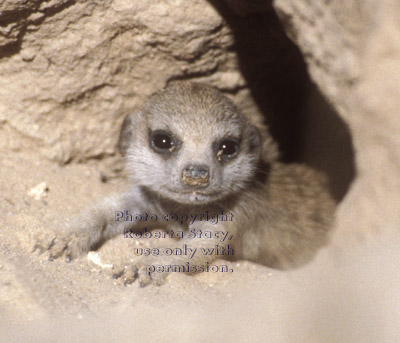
x=70, y=70
x=352, y=50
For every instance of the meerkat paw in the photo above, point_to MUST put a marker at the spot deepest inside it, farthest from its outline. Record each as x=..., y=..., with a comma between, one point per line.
x=128, y=274
x=56, y=244
x=146, y=276
x=125, y=274
x=50, y=243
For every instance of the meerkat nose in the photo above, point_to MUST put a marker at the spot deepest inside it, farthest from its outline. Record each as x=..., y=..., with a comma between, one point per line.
x=196, y=175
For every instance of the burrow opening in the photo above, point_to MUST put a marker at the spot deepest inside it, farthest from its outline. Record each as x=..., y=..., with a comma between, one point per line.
x=306, y=127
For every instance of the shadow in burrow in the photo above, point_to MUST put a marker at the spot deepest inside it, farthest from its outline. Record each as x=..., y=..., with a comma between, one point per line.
x=306, y=127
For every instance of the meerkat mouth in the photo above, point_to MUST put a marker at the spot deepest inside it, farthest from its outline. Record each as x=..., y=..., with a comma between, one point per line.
x=192, y=192
x=192, y=196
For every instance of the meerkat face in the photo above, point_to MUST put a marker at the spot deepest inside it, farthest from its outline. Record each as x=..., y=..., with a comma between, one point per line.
x=190, y=144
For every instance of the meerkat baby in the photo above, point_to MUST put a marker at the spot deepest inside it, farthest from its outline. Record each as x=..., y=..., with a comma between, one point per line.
x=191, y=153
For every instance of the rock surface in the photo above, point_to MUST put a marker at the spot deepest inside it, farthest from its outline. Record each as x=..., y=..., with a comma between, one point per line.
x=72, y=69
x=353, y=53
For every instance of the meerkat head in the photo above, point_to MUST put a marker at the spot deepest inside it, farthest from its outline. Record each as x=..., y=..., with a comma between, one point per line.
x=190, y=144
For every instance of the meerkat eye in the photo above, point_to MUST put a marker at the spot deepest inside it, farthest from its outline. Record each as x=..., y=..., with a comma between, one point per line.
x=227, y=149
x=162, y=142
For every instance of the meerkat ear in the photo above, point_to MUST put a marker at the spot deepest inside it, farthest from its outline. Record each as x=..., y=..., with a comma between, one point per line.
x=126, y=134
x=262, y=145
x=254, y=140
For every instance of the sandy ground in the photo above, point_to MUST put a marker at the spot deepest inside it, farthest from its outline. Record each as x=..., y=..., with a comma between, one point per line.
x=43, y=301
x=42, y=296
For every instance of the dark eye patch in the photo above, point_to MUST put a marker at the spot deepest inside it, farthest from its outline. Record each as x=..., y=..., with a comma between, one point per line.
x=227, y=149
x=162, y=142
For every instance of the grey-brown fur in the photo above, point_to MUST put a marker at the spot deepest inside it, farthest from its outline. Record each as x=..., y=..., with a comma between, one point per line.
x=281, y=212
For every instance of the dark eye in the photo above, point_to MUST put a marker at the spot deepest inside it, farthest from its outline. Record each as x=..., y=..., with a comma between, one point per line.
x=227, y=149
x=162, y=142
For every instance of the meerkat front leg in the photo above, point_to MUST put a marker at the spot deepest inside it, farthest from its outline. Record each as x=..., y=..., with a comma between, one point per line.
x=86, y=231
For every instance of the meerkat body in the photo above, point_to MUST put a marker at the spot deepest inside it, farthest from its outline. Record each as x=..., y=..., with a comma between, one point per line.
x=190, y=151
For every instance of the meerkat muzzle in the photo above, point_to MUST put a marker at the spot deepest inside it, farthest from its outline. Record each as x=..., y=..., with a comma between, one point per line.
x=196, y=175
